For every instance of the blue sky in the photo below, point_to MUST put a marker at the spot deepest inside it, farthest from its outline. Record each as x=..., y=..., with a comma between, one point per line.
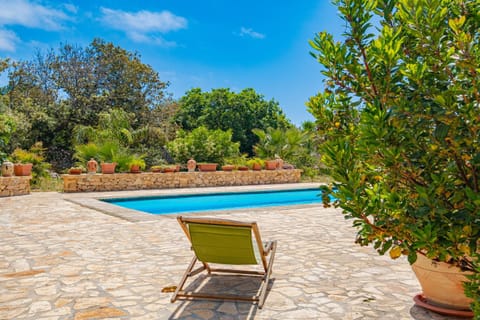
x=207, y=44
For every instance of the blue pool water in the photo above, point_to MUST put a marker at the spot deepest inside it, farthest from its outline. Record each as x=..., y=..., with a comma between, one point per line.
x=219, y=201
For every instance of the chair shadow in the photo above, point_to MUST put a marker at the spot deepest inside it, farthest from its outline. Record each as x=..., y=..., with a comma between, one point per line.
x=218, y=309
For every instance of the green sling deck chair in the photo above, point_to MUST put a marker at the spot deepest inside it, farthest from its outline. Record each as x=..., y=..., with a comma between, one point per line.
x=226, y=242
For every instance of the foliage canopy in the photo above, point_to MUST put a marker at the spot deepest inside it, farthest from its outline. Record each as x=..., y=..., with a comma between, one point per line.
x=400, y=120
x=226, y=110
x=58, y=90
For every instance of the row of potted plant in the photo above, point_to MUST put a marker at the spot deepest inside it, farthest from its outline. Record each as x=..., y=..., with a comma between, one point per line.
x=244, y=165
x=10, y=169
x=137, y=165
x=21, y=162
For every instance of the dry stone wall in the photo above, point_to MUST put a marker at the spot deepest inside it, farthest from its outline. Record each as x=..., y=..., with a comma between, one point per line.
x=149, y=180
x=14, y=186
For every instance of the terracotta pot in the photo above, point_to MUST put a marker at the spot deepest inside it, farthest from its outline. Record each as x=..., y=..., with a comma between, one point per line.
x=169, y=169
x=279, y=163
x=92, y=166
x=242, y=168
x=256, y=167
x=22, y=169
x=441, y=283
x=108, y=168
x=7, y=169
x=75, y=171
x=135, y=168
x=271, y=164
x=191, y=165
x=207, y=166
x=156, y=170
x=228, y=167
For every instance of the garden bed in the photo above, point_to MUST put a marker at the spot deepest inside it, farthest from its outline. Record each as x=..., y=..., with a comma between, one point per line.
x=150, y=180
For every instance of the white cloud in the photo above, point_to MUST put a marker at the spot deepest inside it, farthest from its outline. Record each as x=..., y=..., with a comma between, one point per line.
x=249, y=32
x=71, y=8
x=145, y=38
x=8, y=40
x=33, y=15
x=27, y=14
x=141, y=26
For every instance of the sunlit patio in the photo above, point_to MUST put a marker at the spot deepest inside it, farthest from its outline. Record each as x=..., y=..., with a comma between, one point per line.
x=67, y=256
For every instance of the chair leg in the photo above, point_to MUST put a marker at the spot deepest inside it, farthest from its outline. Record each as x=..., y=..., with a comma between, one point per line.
x=263, y=292
x=184, y=278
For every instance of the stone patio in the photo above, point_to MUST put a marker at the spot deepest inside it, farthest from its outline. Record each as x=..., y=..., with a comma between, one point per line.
x=68, y=256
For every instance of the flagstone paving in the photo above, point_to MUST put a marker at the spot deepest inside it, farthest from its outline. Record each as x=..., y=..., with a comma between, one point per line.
x=64, y=260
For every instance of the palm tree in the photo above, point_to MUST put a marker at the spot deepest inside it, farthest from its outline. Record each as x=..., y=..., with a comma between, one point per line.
x=286, y=144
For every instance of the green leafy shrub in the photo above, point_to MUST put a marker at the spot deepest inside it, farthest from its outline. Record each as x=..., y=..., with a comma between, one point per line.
x=137, y=161
x=399, y=117
x=203, y=145
x=7, y=128
x=255, y=161
x=35, y=156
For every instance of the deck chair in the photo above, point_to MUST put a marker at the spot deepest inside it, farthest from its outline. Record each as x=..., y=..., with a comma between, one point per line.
x=226, y=242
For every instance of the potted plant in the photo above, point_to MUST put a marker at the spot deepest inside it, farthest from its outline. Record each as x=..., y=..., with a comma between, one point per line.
x=92, y=166
x=75, y=170
x=136, y=164
x=399, y=124
x=113, y=157
x=7, y=169
x=156, y=169
x=207, y=166
x=191, y=165
x=242, y=168
x=23, y=161
x=228, y=167
x=108, y=167
x=271, y=164
x=255, y=164
x=169, y=169
x=238, y=162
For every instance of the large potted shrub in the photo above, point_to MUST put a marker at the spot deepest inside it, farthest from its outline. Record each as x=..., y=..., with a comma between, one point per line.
x=255, y=164
x=23, y=162
x=31, y=162
x=399, y=117
x=136, y=164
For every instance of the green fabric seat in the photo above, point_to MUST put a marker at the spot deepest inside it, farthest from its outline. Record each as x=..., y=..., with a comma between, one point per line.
x=222, y=244
x=226, y=242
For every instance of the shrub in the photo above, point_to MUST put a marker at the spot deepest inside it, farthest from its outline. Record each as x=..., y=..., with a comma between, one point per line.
x=203, y=145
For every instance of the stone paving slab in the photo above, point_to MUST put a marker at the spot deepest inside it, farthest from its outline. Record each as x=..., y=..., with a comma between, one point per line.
x=62, y=258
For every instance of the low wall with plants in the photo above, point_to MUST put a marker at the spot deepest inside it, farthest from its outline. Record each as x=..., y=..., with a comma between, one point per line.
x=14, y=186
x=150, y=180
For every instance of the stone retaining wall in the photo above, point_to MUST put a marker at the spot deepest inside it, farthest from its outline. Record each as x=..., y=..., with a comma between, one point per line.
x=149, y=180
x=14, y=186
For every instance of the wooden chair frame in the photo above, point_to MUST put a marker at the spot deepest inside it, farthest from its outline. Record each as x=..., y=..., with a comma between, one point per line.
x=266, y=250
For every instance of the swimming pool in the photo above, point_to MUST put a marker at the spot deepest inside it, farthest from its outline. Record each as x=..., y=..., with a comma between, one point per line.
x=219, y=201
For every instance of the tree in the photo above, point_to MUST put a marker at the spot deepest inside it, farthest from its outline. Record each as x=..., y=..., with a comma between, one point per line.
x=58, y=90
x=7, y=122
x=399, y=117
x=7, y=128
x=203, y=145
x=223, y=109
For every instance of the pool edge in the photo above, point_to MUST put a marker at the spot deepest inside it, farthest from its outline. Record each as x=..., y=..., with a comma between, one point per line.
x=92, y=200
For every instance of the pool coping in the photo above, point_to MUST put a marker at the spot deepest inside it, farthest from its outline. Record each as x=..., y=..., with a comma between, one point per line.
x=92, y=200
